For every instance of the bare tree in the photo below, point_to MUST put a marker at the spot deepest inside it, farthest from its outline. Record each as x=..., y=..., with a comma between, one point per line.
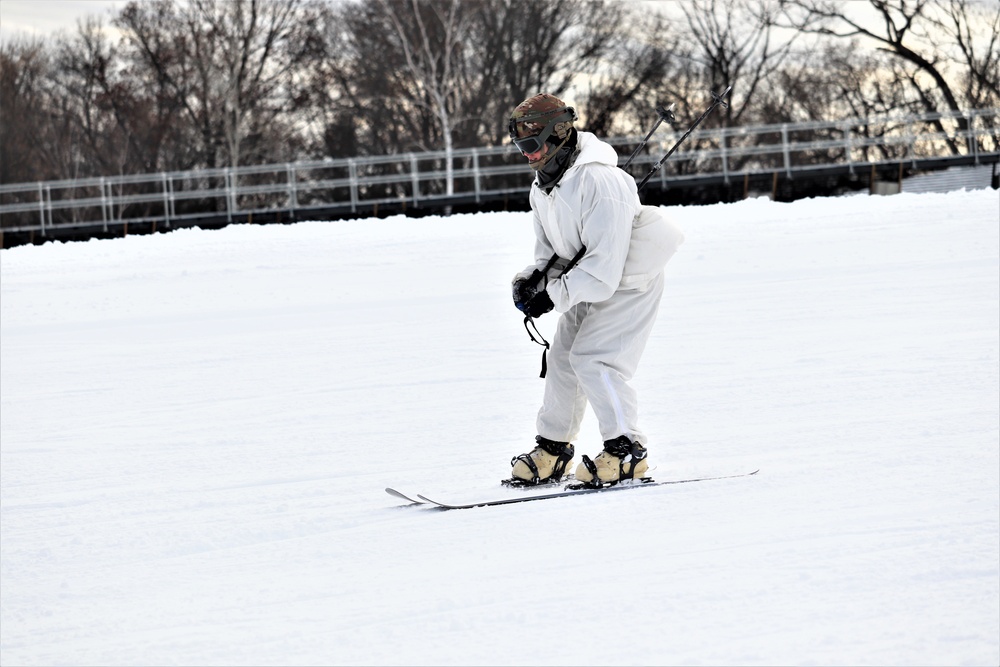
x=121, y=124
x=430, y=35
x=838, y=82
x=622, y=96
x=736, y=42
x=24, y=66
x=227, y=63
x=524, y=47
x=257, y=54
x=936, y=45
x=79, y=106
x=972, y=31
x=399, y=64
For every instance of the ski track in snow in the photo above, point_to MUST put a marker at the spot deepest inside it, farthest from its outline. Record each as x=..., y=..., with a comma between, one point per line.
x=197, y=428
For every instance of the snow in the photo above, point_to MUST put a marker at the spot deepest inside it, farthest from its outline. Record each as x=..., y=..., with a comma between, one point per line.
x=197, y=428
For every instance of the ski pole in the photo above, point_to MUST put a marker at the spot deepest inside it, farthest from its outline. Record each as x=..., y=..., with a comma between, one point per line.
x=716, y=101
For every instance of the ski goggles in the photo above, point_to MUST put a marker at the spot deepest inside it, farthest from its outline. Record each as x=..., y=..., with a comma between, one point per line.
x=534, y=143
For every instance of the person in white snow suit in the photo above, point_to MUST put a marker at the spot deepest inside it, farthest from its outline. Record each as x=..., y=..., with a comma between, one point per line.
x=583, y=203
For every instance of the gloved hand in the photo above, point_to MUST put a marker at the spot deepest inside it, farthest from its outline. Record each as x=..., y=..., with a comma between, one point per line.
x=538, y=305
x=524, y=289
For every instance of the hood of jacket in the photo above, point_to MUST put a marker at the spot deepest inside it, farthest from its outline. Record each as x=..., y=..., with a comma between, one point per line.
x=593, y=149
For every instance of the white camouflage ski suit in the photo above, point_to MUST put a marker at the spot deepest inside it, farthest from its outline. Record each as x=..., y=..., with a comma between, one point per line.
x=609, y=300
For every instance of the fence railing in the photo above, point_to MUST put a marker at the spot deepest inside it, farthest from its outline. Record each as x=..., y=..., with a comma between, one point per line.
x=478, y=174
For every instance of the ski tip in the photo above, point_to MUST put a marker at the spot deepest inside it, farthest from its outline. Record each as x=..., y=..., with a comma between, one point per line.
x=402, y=496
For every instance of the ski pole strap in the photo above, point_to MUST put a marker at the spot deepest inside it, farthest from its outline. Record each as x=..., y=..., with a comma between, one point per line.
x=529, y=324
x=538, y=339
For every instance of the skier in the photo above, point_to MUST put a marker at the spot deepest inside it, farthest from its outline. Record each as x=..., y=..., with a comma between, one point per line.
x=583, y=203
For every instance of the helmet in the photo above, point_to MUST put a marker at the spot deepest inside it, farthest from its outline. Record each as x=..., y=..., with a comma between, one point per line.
x=536, y=119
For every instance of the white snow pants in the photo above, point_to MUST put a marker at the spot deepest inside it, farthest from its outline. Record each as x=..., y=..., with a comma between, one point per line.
x=595, y=352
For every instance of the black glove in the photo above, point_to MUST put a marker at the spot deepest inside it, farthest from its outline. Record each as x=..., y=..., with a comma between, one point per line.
x=524, y=289
x=538, y=305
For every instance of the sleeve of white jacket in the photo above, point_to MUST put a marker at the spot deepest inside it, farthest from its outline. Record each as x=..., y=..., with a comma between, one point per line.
x=606, y=216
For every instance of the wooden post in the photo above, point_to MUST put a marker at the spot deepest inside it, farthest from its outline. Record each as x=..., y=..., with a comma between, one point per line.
x=746, y=184
x=774, y=187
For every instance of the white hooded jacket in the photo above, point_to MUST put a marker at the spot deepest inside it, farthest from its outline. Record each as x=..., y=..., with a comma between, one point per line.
x=596, y=205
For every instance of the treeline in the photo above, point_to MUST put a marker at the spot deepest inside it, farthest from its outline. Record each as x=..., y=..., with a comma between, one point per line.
x=171, y=85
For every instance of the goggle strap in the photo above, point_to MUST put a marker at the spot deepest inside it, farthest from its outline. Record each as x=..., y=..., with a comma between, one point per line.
x=540, y=115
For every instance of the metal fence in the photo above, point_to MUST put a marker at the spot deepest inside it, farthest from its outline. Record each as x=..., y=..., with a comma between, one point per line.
x=301, y=190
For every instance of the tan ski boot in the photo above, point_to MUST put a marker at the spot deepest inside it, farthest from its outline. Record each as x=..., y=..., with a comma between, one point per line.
x=547, y=462
x=621, y=459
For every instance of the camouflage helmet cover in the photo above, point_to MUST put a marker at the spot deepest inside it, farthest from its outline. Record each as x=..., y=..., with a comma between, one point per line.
x=534, y=115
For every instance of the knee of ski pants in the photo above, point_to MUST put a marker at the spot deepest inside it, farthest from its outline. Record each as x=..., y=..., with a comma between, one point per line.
x=587, y=365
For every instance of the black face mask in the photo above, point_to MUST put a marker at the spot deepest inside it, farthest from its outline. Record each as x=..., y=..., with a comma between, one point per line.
x=549, y=175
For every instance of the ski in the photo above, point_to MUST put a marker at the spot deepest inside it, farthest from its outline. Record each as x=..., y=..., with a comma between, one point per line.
x=567, y=491
x=508, y=483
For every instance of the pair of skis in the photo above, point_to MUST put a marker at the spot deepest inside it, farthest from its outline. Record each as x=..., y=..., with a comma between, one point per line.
x=562, y=493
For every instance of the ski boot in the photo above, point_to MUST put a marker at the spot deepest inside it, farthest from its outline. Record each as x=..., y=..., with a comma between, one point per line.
x=547, y=462
x=621, y=459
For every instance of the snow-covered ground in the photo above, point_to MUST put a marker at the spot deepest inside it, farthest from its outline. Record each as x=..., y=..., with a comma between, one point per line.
x=197, y=429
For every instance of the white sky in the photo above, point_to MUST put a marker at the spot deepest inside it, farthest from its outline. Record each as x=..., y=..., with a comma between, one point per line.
x=40, y=18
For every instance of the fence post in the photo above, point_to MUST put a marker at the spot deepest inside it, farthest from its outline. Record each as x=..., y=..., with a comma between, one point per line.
x=785, y=151
x=449, y=171
x=725, y=157
x=104, y=204
x=973, y=139
x=849, y=147
x=293, y=195
x=166, y=198
x=910, y=141
x=353, y=174
x=41, y=205
x=230, y=195
x=475, y=172
x=415, y=177
x=173, y=197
